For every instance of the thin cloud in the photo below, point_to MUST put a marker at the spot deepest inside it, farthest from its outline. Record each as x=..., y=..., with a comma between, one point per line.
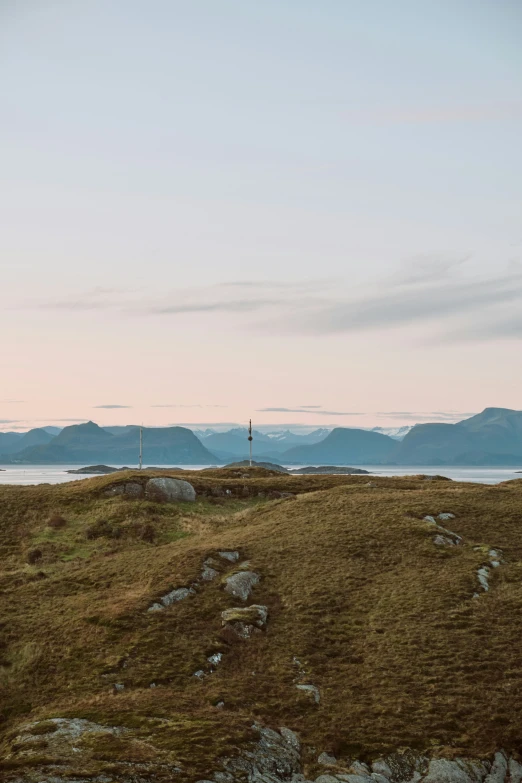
x=225, y=306
x=448, y=417
x=429, y=290
x=97, y=298
x=112, y=407
x=189, y=406
x=304, y=410
x=10, y=402
x=404, y=305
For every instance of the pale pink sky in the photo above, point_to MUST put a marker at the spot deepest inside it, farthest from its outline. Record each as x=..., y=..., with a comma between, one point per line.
x=214, y=211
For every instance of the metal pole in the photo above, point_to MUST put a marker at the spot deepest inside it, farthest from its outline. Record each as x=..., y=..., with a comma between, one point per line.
x=250, y=439
x=141, y=447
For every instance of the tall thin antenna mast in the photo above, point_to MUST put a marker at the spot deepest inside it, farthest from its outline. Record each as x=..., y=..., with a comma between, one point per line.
x=250, y=439
x=141, y=447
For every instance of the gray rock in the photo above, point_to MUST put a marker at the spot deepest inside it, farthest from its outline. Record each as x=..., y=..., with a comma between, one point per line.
x=360, y=768
x=243, y=630
x=378, y=778
x=355, y=778
x=168, y=490
x=327, y=760
x=446, y=771
x=327, y=779
x=312, y=690
x=495, y=557
x=117, y=489
x=483, y=577
x=499, y=768
x=446, y=516
x=291, y=738
x=380, y=767
x=208, y=573
x=215, y=659
x=252, y=615
x=177, y=595
x=232, y=557
x=133, y=490
x=272, y=760
x=119, y=686
x=199, y=674
x=515, y=771
x=431, y=520
x=240, y=585
x=156, y=608
x=443, y=541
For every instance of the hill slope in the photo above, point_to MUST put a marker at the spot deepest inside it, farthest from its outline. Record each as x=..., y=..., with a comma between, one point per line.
x=373, y=641
x=344, y=446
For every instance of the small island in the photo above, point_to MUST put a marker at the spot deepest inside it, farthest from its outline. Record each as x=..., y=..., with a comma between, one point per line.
x=329, y=469
x=95, y=470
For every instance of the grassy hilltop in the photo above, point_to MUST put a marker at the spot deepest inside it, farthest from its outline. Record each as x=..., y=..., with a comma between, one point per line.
x=363, y=606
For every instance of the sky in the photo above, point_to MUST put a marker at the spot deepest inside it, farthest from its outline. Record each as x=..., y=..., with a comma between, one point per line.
x=212, y=210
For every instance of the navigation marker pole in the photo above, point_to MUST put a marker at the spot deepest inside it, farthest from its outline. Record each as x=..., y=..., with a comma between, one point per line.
x=250, y=439
x=141, y=447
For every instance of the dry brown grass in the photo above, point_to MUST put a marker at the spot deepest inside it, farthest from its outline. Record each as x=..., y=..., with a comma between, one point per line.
x=381, y=620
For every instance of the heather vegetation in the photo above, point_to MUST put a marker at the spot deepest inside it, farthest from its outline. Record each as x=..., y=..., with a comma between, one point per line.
x=144, y=640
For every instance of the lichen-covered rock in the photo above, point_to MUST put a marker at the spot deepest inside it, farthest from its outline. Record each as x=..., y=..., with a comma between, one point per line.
x=168, y=490
x=483, y=577
x=133, y=489
x=380, y=767
x=177, y=595
x=515, y=771
x=360, y=768
x=232, y=557
x=209, y=572
x=240, y=585
x=274, y=757
x=499, y=768
x=443, y=541
x=446, y=771
x=252, y=615
x=327, y=760
x=116, y=489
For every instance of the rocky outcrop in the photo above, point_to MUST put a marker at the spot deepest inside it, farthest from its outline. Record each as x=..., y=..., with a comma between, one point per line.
x=275, y=757
x=444, y=536
x=131, y=489
x=168, y=490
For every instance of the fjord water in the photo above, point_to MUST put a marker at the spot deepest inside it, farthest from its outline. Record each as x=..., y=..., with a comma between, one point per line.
x=56, y=474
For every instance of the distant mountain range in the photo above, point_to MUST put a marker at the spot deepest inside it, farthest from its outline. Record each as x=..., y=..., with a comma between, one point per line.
x=89, y=443
x=493, y=437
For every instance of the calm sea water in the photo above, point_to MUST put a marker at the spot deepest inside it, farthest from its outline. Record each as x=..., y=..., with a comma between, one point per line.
x=56, y=474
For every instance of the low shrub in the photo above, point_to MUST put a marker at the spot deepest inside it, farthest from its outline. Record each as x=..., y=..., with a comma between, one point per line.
x=103, y=529
x=56, y=521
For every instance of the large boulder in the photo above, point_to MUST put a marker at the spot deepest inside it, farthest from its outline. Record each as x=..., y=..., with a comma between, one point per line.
x=168, y=490
x=240, y=585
